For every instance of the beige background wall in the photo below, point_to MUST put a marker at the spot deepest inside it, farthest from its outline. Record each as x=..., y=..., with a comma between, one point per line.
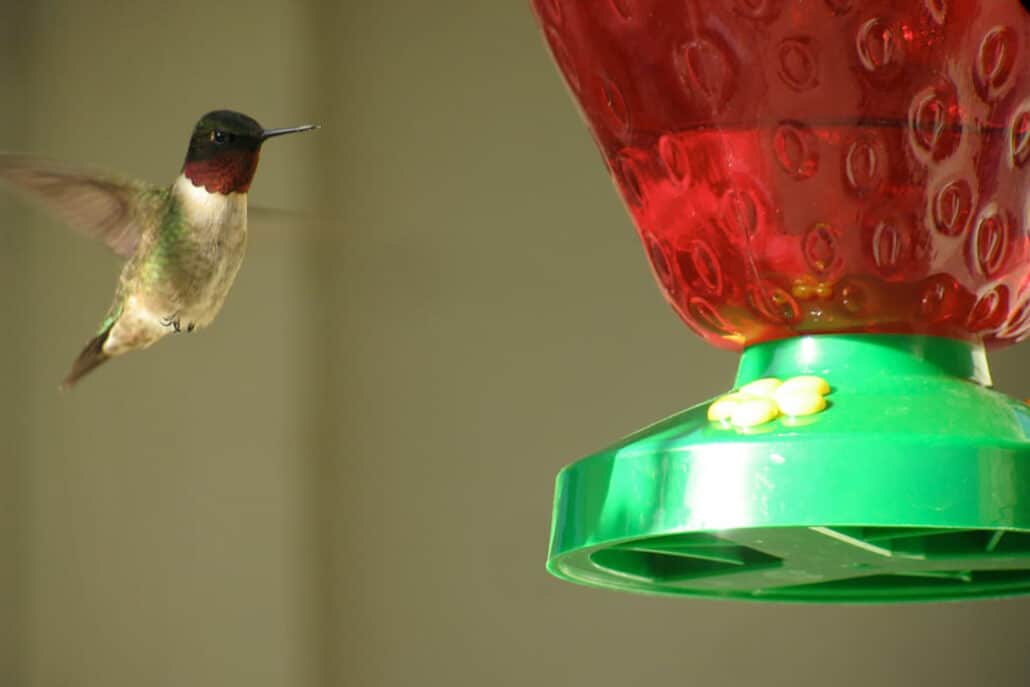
x=347, y=480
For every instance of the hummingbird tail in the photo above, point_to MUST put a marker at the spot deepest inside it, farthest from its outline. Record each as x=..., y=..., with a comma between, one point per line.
x=91, y=357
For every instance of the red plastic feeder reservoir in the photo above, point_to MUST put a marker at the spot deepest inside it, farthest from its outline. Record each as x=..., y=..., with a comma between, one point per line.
x=839, y=189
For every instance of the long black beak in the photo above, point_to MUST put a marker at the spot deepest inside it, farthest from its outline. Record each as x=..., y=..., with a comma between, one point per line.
x=272, y=133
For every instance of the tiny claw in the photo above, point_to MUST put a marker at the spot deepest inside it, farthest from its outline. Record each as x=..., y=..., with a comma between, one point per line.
x=173, y=322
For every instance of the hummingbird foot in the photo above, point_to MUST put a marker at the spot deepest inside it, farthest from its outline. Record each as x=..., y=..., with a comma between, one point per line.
x=173, y=322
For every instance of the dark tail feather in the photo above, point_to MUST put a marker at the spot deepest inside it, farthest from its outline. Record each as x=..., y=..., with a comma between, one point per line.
x=92, y=356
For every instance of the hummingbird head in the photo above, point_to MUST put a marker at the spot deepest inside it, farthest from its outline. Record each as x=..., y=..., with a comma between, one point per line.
x=224, y=150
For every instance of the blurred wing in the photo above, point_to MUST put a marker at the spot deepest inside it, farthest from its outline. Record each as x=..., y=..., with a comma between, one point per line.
x=274, y=218
x=103, y=207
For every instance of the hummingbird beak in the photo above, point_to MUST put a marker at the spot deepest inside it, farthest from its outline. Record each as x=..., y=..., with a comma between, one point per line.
x=272, y=133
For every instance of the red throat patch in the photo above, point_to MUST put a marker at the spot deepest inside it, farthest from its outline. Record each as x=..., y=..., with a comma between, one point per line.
x=230, y=171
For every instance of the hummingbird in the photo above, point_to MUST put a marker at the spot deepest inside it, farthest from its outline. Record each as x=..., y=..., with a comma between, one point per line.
x=184, y=243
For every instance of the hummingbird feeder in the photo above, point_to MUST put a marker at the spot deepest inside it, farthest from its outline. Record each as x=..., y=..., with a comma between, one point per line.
x=839, y=189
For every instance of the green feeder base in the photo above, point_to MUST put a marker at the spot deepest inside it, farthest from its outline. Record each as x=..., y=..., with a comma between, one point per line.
x=912, y=485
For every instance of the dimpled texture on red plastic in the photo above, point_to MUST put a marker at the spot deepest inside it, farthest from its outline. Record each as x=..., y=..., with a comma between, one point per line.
x=816, y=166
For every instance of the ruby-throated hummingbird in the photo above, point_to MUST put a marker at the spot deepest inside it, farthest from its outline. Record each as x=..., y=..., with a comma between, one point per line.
x=184, y=243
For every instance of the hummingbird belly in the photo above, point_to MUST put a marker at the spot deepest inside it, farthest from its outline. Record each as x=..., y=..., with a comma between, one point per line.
x=211, y=248
x=137, y=327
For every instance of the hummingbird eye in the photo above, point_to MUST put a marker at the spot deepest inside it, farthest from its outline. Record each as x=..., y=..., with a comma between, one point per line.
x=219, y=136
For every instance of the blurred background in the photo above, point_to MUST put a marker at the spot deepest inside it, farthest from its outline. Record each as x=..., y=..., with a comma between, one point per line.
x=347, y=479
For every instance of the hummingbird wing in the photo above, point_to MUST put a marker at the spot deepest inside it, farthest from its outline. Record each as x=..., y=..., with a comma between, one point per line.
x=98, y=205
x=266, y=217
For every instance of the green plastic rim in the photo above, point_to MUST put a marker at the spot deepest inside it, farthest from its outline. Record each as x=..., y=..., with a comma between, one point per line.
x=913, y=485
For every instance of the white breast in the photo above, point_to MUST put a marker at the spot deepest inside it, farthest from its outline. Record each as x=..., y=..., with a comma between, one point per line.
x=219, y=212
